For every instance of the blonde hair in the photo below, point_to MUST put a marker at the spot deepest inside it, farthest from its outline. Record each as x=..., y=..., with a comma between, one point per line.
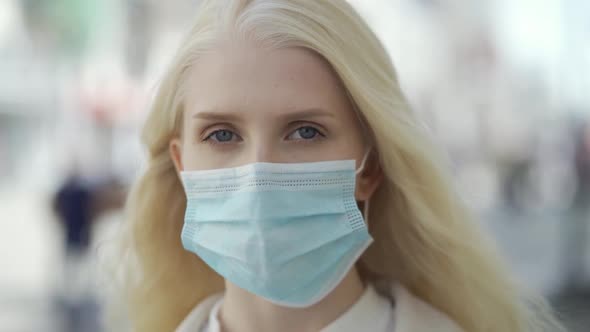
x=424, y=237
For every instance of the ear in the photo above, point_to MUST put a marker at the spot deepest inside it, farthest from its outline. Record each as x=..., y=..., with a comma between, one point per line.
x=369, y=179
x=175, y=150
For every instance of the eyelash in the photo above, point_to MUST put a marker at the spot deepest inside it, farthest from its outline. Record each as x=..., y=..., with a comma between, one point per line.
x=318, y=136
x=208, y=138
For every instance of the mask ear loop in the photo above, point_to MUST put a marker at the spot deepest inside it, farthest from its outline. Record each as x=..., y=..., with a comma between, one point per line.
x=363, y=162
x=366, y=212
x=366, y=202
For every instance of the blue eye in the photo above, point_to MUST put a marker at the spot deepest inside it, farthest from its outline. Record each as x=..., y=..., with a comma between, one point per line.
x=221, y=136
x=305, y=133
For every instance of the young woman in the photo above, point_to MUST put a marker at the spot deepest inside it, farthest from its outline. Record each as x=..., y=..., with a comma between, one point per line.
x=289, y=187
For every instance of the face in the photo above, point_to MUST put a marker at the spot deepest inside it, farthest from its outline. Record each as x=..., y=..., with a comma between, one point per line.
x=245, y=104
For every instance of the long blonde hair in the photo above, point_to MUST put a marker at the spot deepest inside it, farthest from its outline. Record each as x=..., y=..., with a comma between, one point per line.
x=424, y=237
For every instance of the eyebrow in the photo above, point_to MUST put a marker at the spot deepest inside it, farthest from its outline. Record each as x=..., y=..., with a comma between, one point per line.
x=216, y=115
x=307, y=113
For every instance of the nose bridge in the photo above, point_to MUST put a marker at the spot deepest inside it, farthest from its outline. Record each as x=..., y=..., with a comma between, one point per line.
x=263, y=146
x=263, y=150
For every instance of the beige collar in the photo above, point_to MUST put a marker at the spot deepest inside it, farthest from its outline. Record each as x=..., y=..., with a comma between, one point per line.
x=410, y=314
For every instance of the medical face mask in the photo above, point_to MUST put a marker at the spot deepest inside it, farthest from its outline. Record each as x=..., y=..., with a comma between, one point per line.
x=286, y=232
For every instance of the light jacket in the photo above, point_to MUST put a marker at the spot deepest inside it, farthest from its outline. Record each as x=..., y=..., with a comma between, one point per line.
x=411, y=314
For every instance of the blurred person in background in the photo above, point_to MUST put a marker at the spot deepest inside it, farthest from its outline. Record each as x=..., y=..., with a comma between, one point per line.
x=275, y=126
x=582, y=162
x=78, y=203
x=74, y=206
x=576, y=238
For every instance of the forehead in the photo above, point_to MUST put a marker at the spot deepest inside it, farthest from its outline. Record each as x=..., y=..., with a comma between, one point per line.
x=244, y=77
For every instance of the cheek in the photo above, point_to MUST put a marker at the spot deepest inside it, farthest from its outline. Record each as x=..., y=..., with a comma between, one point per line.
x=189, y=158
x=197, y=156
x=190, y=155
x=351, y=142
x=352, y=131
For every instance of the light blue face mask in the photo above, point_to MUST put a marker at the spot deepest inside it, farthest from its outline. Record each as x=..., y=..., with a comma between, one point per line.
x=286, y=232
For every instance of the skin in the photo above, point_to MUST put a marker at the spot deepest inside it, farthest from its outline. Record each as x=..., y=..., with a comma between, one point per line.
x=246, y=103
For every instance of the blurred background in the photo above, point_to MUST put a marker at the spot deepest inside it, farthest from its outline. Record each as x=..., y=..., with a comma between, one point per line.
x=503, y=84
